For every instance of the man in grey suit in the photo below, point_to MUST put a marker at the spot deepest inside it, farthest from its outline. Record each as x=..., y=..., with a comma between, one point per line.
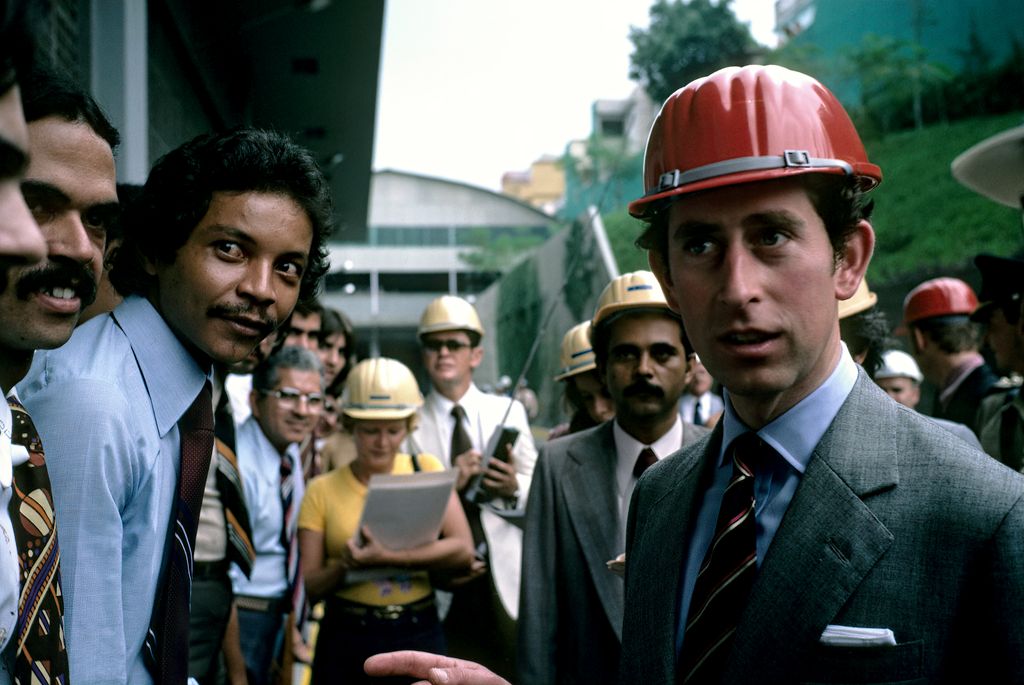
x=570, y=611
x=821, y=532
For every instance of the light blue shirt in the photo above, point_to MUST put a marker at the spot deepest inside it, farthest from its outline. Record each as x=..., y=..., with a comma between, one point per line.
x=112, y=452
x=794, y=436
x=260, y=465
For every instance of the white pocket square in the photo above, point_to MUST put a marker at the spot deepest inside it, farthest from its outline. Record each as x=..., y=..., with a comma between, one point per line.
x=850, y=636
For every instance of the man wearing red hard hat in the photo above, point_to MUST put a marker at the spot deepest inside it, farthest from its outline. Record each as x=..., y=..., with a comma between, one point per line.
x=821, y=532
x=946, y=343
x=800, y=541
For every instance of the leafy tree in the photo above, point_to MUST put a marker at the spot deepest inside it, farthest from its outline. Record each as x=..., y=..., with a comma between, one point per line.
x=687, y=40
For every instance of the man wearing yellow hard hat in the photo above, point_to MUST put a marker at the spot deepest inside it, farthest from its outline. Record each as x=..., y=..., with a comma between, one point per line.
x=460, y=424
x=570, y=614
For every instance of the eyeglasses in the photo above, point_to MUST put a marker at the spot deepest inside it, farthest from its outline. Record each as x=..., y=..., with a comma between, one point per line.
x=289, y=397
x=450, y=345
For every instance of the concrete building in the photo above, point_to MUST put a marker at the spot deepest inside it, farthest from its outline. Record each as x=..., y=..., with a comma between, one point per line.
x=423, y=233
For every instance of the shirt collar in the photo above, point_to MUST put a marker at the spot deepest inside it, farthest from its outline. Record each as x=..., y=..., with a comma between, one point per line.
x=443, y=405
x=796, y=432
x=171, y=374
x=628, y=447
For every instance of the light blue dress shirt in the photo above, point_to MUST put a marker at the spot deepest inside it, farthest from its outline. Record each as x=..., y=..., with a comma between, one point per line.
x=794, y=436
x=260, y=465
x=106, y=405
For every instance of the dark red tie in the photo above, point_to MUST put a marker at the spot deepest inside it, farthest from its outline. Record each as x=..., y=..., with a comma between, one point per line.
x=41, y=656
x=646, y=459
x=723, y=584
x=166, y=648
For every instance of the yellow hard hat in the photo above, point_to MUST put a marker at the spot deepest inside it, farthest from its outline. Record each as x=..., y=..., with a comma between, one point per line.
x=381, y=388
x=861, y=300
x=450, y=313
x=577, y=353
x=635, y=290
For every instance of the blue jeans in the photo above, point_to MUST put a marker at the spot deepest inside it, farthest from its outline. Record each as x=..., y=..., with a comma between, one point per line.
x=260, y=634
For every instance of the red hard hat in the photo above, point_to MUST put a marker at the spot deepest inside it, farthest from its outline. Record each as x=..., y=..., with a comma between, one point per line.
x=939, y=297
x=744, y=124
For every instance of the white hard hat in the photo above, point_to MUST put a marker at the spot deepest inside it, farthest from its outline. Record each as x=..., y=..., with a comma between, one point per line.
x=995, y=167
x=897, y=364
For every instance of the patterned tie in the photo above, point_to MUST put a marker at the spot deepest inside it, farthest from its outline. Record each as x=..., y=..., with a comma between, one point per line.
x=41, y=656
x=646, y=459
x=229, y=485
x=289, y=540
x=166, y=648
x=726, y=575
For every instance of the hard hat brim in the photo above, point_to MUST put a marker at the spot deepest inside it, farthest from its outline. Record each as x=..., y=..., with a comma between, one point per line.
x=994, y=167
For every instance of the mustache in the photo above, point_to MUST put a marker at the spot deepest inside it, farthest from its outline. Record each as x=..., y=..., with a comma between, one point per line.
x=58, y=272
x=643, y=388
x=266, y=319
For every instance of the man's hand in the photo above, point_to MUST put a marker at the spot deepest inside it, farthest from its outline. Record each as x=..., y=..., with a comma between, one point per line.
x=476, y=569
x=500, y=477
x=468, y=465
x=434, y=668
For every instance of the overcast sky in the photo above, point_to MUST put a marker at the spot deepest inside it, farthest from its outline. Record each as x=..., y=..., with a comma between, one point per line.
x=470, y=89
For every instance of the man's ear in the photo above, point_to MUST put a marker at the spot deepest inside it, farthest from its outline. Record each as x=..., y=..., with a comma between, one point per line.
x=660, y=269
x=856, y=255
x=476, y=355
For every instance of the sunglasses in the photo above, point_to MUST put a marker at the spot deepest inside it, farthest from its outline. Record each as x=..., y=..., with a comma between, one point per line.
x=290, y=397
x=450, y=345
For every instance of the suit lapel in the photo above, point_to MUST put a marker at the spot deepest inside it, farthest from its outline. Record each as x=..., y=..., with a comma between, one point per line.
x=592, y=502
x=828, y=541
x=669, y=491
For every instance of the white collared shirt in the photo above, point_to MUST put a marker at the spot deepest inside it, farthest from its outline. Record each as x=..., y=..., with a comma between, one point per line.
x=627, y=449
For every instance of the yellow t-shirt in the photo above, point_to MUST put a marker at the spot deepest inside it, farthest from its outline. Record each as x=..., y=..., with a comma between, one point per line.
x=333, y=505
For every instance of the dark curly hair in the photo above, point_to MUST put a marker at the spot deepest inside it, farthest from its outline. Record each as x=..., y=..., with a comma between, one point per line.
x=181, y=185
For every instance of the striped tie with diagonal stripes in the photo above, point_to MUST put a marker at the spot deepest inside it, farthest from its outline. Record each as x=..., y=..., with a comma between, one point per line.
x=166, y=646
x=723, y=584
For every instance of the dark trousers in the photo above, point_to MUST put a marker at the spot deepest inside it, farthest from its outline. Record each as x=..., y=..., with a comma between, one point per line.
x=211, y=609
x=260, y=634
x=350, y=633
x=478, y=628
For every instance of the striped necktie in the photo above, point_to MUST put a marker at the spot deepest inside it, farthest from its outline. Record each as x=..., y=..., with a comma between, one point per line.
x=41, y=656
x=229, y=484
x=166, y=647
x=290, y=539
x=723, y=583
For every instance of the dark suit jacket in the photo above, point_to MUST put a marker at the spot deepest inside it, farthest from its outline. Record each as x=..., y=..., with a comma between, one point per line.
x=896, y=524
x=570, y=609
x=963, y=404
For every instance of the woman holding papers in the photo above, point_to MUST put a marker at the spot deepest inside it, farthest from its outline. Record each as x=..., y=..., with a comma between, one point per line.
x=395, y=609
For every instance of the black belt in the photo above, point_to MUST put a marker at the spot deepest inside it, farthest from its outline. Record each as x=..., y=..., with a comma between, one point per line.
x=387, y=612
x=266, y=605
x=210, y=570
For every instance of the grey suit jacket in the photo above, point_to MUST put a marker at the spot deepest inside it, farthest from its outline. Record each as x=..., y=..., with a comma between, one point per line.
x=571, y=605
x=896, y=524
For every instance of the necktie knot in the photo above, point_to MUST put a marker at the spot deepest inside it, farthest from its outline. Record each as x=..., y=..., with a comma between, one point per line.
x=458, y=412
x=461, y=442
x=644, y=460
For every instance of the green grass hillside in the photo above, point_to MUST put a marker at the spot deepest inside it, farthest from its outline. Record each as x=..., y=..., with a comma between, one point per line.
x=925, y=221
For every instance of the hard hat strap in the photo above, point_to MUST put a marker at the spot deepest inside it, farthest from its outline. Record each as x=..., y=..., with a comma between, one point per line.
x=789, y=159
